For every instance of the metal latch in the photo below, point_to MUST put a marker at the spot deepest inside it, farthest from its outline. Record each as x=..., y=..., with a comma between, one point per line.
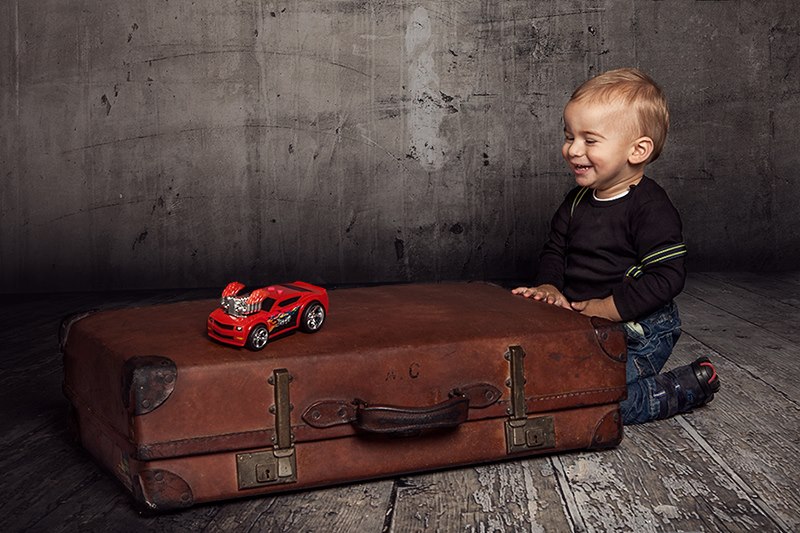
x=277, y=465
x=523, y=433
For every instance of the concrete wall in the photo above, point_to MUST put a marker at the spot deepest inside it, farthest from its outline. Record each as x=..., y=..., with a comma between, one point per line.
x=172, y=144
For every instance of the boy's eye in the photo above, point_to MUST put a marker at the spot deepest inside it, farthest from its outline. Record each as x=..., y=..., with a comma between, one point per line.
x=590, y=141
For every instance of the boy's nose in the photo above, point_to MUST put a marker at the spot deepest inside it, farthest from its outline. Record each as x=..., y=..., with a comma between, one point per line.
x=575, y=149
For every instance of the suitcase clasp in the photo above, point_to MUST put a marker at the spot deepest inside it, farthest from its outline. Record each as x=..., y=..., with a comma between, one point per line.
x=523, y=433
x=268, y=467
x=277, y=465
x=530, y=434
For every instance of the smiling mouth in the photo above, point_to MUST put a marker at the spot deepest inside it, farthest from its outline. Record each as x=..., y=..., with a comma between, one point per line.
x=582, y=167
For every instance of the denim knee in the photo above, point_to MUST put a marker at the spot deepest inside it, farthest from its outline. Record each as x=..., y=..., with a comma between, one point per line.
x=639, y=406
x=650, y=342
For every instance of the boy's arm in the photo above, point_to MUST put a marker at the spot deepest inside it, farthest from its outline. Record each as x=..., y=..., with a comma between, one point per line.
x=660, y=274
x=602, y=307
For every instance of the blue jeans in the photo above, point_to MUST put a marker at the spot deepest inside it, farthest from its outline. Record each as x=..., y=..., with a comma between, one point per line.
x=650, y=343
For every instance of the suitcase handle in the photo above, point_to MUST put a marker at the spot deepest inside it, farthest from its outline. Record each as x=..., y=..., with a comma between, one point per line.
x=393, y=421
x=402, y=421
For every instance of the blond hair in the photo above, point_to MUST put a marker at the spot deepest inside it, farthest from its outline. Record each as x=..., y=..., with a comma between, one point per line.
x=636, y=91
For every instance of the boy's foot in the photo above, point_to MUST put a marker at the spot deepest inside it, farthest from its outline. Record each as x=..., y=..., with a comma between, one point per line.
x=686, y=387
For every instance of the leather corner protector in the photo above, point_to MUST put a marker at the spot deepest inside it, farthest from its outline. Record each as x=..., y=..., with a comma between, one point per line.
x=611, y=338
x=147, y=382
x=162, y=490
x=608, y=432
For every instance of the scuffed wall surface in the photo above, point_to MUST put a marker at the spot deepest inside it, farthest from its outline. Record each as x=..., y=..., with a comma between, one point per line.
x=166, y=144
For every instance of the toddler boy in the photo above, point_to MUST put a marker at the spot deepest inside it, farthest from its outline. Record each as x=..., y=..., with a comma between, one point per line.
x=615, y=248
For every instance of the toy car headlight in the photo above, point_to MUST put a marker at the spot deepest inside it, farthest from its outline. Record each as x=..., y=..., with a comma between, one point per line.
x=238, y=328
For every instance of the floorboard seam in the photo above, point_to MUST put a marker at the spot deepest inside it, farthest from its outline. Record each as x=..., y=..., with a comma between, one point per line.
x=571, y=508
x=751, y=493
x=389, y=516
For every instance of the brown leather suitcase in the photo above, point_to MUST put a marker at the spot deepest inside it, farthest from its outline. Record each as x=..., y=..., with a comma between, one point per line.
x=402, y=378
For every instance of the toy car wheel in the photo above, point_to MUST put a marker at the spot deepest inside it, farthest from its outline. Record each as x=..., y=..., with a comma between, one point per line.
x=258, y=337
x=313, y=317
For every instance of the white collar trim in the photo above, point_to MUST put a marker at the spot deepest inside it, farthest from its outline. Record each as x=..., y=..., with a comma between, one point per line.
x=617, y=197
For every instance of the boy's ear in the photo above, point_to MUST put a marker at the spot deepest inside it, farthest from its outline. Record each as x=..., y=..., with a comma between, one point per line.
x=642, y=149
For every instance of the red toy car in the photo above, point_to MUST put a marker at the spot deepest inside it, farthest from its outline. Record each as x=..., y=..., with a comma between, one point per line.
x=252, y=319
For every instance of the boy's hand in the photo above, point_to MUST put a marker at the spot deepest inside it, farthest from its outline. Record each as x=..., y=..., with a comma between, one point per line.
x=603, y=308
x=546, y=293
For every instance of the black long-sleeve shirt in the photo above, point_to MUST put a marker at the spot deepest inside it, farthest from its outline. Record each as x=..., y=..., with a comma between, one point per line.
x=631, y=247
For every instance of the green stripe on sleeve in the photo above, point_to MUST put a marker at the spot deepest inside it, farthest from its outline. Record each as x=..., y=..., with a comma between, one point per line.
x=659, y=256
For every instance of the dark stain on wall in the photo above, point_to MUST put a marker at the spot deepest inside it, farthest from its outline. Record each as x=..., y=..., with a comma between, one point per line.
x=399, y=249
x=140, y=239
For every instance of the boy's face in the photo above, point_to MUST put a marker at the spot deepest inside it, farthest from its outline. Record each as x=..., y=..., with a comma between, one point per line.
x=599, y=141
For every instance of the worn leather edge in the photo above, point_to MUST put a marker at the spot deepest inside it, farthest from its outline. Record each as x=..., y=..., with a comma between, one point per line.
x=147, y=382
x=161, y=490
x=604, y=333
x=608, y=432
x=66, y=325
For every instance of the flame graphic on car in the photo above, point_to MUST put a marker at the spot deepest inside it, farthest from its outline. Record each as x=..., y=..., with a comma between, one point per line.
x=282, y=319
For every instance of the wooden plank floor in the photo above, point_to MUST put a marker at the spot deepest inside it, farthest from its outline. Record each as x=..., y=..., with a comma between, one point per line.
x=731, y=466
